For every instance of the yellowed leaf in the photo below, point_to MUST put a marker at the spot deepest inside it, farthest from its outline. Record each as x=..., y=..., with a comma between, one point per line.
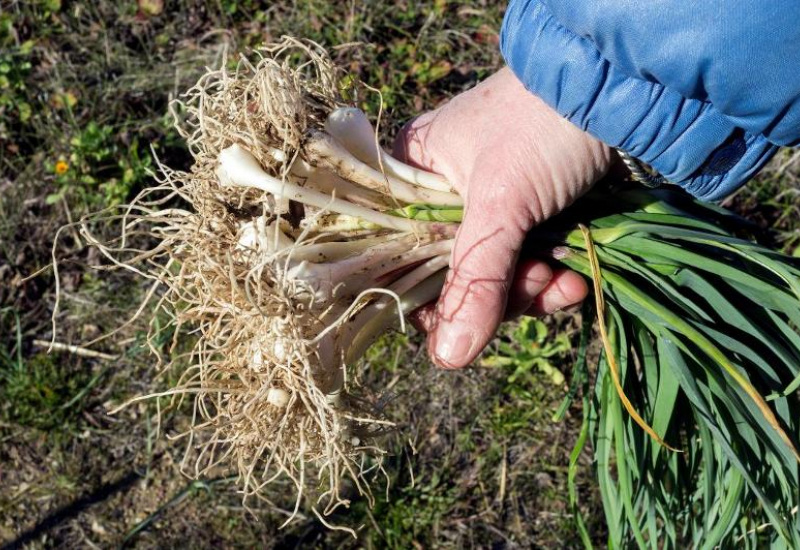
x=151, y=7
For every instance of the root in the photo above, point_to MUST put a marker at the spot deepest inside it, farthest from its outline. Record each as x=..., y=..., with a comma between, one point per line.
x=236, y=271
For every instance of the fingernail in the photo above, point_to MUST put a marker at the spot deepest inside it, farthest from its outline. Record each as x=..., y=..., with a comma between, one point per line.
x=452, y=347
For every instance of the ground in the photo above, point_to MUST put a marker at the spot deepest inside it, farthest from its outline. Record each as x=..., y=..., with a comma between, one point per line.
x=476, y=459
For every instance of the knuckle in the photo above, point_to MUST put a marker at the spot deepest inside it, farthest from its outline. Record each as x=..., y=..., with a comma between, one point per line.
x=468, y=294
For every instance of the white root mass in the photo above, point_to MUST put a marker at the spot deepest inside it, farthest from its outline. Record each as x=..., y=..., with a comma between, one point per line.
x=278, y=259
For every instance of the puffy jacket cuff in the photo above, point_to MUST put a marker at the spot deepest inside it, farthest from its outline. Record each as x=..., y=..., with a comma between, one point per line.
x=686, y=140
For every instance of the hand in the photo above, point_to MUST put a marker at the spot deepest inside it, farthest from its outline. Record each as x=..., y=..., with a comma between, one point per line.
x=516, y=163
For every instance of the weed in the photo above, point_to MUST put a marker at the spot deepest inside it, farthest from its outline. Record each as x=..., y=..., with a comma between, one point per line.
x=39, y=392
x=15, y=67
x=100, y=171
x=527, y=356
x=532, y=346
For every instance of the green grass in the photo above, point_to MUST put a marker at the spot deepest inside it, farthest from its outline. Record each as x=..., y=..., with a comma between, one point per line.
x=40, y=393
x=36, y=391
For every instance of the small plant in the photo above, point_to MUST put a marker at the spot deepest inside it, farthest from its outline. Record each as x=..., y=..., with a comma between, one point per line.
x=100, y=170
x=528, y=356
x=15, y=66
x=532, y=347
x=37, y=391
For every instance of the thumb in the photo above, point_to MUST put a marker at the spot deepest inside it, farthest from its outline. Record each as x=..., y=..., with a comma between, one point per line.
x=482, y=264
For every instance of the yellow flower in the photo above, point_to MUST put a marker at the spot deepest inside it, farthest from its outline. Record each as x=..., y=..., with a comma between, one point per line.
x=61, y=167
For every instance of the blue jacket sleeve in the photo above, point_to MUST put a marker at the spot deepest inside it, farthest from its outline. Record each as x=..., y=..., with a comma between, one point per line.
x=703, y=91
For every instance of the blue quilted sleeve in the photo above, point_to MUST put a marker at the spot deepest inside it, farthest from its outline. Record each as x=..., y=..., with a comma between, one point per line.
x=703, y=91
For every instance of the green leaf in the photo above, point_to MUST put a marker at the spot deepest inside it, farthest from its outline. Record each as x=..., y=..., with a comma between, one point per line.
x=552, y=372
x=25, y=111
x=27, y=47
x=689, y=383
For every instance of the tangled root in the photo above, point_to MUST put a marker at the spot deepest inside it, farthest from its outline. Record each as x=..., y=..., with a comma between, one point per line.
x=264, y=399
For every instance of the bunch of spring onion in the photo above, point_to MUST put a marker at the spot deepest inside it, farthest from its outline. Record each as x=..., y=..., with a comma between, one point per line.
x=300, y=241
x=702, y=355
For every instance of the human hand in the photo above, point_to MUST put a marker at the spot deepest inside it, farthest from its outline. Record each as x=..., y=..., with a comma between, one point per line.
x=516, y=163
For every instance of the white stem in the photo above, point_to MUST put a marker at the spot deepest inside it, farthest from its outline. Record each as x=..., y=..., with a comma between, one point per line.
x=328, y=152
x=390, y=270
x=421, y=253
x=239, y=167
x=324, y=278
x=312, y=177
x=352, y=128
x=421, y=273
x=376, y=318
x=352, y=337
x=333, y=251
x=339, y=224
x=356, y=273
x=327, y=182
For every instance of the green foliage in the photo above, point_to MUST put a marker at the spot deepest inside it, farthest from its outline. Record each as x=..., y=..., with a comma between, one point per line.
x=101, y=171
x=388, y=353
x=533, y=347
x=18, y=101
x=413, y=514
x=75, y=119
x=15, y=66
x=37, y=391
x=703, y=326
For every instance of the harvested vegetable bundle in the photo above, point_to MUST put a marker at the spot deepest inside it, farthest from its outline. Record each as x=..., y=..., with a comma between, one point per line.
x=702, y=341
x=299, y=244
x=303, y=241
